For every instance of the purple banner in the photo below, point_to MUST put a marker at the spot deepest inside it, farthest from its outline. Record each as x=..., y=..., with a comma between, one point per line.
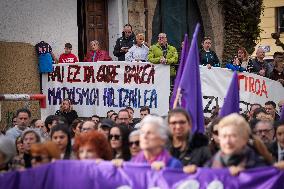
x=88, y=174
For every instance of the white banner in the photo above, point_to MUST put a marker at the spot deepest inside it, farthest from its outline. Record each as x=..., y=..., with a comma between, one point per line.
x=95, y=88
x=253, y=88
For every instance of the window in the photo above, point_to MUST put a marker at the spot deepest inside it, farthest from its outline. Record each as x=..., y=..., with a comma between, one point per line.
x=280, y=19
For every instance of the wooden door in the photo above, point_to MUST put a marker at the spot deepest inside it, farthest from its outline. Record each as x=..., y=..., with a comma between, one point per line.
x=96, y=22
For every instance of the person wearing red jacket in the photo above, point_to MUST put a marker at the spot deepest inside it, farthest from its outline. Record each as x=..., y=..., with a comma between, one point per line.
x=95, y=54
x=67, y=56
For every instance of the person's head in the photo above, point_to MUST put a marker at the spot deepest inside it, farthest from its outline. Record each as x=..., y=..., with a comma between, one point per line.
x=50, y=122
x=88, y=126
x=265, y=131
x=76, y=127
x=131, y=112
x=260, y=54
x=134, y=142
x=14, y=121
x=118, y=138
x=260, y=113
x=278, y=57
x=123, y=117
x=23, y=118
x=95, y=119
x=280, y=104
x=140, y=38
x=94, y=45
x=270, y=107
x=68, y=48
x=109, y=113
x=162, y=39
x=207, y=42
x=105, y=126
x=154, y=134
x=213, y=130
x=65, y=105
x=145, y=110
x=30, y=136
x=279, y=66
x=242, y=54
x=7, y=150
x=92, y=145
x=61, y=136
x=19, y=145
x=39, y=124
x=113, y=117
x=43, y=153
x=253, y=107
x=234, y=132
x=279, y=129
x=127, y=30
x=180, y=123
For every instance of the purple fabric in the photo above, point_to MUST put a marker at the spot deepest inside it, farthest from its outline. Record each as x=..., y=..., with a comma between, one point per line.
x=164, y=156
x=87, y=174
x=190, y=85
x=282, y=113
x=183, y=56
x=231, y=102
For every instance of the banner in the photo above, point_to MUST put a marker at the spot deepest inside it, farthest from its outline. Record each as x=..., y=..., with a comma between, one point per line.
x=87, y=174
x=95, y=88
x=253, y=88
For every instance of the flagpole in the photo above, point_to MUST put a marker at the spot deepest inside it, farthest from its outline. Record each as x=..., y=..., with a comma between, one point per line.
x=177, y=98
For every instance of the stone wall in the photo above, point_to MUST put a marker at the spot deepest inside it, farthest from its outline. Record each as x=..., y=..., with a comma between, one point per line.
x=18, y=75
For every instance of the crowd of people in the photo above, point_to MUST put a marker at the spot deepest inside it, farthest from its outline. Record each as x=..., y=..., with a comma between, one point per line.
x=236, y=141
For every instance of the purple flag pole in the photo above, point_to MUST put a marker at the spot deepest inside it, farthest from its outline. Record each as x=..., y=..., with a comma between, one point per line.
x=190, y=86
x=232, y=99
x=282, y=113
x=184, y=53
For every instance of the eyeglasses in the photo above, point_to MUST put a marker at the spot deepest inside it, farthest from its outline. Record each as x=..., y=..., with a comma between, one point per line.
x=265, y=131
x=134, y=142
x=182, y=122
x=115, y=137
x=215, y=132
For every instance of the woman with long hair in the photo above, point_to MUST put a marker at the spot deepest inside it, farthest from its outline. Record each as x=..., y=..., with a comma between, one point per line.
x=66, y=110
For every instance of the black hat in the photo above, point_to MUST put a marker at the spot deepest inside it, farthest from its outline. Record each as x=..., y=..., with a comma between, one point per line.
x=107, y=123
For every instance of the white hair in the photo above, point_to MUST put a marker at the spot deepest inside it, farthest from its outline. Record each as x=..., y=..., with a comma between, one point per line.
x=159, y=124
x=134, y=133
x=7, y=148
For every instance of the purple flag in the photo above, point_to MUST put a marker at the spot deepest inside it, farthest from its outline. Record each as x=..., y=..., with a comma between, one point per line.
x=282, y=113
x=231, y=102
x=183, y=56
x=190, y=85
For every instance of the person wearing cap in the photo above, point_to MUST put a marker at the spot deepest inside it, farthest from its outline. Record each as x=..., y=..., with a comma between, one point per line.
x=105, y=126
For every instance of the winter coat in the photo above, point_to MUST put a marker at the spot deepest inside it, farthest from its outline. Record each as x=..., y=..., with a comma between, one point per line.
x=123, y=42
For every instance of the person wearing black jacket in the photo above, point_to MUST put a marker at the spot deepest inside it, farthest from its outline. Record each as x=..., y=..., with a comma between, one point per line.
x=67, y=111
x=189, y=148
x=124, y=43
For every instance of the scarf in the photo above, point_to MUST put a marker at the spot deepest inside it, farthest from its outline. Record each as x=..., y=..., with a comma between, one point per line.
x=164, y=156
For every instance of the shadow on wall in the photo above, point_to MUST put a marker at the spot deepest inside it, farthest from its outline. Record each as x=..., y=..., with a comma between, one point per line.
x=18, y=75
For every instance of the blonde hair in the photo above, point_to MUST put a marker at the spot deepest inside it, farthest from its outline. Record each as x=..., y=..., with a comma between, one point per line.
x=237, y=121
x=48, y=148
x=70, y=105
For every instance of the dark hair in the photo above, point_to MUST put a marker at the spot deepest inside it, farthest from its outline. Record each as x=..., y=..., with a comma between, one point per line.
x=109, y=112
x=257, y=111
x=129, y=108
x=95, y=116
x=180, y=111
x=206, y=38
x=255, y=104
x=33, y=122
x=277, y=54
x=16, y=141
x=113, y=114
x=127, y=25
x=277, y=124
x=64, y=128
x=124, y=110
x=37, y=135
x=145, y=108
x=271, y=103
x=124, y=132
x=24, y=110
x=74, y=125
x=68, y=45
x=48, y=120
